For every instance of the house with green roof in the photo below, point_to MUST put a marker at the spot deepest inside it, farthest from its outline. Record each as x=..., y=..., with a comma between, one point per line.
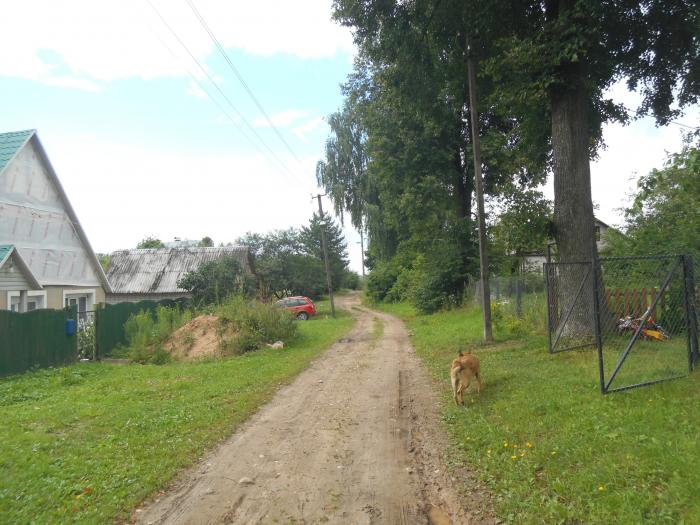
x=48, y=261
x=16, y=278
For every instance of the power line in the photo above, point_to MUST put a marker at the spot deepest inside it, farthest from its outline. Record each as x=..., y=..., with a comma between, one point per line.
x=240, y=77
x=216, y=85
x=209, y=95
x=683, y=125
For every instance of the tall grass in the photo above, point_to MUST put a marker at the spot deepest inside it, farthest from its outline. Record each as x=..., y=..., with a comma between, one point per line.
x=247, y=325
x=145, y=333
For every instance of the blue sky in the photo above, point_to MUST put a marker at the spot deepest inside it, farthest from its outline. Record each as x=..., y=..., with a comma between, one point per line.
x=141, y=151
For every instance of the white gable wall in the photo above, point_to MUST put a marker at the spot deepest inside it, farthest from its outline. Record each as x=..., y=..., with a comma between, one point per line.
x=33, y=218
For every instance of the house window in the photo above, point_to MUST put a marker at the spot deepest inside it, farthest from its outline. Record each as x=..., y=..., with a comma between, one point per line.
x=80, y=301
x=35, y=301
x=597, y=233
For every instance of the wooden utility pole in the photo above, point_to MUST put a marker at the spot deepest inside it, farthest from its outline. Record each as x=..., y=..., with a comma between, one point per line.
x=362, y=248
x=478, y=184
x=324, y=246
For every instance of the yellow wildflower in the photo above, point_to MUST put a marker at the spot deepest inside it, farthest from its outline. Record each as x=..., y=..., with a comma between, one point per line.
x=601, y=488
x=528, y=444
x=514, y=457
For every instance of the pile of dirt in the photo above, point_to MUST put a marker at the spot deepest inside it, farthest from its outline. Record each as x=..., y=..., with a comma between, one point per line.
x=195, y=340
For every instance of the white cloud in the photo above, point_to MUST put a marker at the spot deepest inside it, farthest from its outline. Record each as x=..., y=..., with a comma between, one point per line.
x=302, y=131
x=282, y=119
x=194, y=90
x=631, y=151
x=106, y=41
x=168, y=193
x=72, y=82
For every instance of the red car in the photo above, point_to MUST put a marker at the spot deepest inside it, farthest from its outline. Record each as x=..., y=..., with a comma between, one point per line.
x=301, y=307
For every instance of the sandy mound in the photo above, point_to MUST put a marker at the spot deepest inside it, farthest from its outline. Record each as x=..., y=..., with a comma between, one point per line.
x=195, y=340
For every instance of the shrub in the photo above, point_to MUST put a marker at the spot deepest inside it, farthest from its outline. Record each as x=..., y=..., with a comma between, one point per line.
x=214, y=281
x=380, y=280
x=145, y=335
x=246, y=325
x=351, y=280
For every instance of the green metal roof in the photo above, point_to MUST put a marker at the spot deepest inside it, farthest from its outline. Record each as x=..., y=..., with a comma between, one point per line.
x=5, y=249
x=10, y=143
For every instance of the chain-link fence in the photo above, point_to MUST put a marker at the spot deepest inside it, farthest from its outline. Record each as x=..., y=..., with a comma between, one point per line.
x=638, y=311
x=647, y=321
x=570, y=312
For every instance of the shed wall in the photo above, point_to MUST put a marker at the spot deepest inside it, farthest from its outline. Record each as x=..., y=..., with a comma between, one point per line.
x=11, y=280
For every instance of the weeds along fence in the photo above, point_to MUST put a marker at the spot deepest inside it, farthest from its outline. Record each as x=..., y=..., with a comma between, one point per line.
x=520, y=298
x=37, y=339
x=111, y=318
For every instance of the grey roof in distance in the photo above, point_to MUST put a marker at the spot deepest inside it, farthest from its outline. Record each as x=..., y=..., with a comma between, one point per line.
x=157, y=270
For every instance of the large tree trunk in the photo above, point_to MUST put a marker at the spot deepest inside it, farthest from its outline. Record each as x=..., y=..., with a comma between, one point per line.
x=573, y=208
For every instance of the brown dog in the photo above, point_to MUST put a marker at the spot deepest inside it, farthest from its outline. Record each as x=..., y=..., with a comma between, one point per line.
x=463, y=369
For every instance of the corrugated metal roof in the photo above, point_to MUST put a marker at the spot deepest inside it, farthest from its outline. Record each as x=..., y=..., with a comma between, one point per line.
x=152, y=271
x=10, y=143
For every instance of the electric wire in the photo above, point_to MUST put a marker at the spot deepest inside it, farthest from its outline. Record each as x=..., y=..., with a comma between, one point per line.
x=683, y=125
x=209, y=96
x=221, y=92
x=240, y=78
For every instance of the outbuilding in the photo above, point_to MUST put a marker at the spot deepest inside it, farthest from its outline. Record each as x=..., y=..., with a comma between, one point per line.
x=153, y=273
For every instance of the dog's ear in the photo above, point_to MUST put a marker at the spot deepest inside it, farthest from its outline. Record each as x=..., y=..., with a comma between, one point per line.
x=460, y=353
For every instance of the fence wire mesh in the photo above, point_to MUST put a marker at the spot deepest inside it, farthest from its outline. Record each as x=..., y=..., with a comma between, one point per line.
x=640, y=313
x=646, y=321
x=570, y=311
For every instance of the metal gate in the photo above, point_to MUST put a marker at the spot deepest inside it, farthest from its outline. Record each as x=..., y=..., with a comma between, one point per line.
x=639, y=312
x=570, y=315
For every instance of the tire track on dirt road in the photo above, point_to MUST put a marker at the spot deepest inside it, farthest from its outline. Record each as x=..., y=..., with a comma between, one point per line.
x=355, y=439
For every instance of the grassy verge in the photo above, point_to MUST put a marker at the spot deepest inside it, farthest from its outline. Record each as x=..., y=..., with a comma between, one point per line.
x=86, y=443
x=551, y=448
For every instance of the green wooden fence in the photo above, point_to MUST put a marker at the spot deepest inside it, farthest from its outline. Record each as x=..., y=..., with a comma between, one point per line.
x=110, y=320
x=36, y=340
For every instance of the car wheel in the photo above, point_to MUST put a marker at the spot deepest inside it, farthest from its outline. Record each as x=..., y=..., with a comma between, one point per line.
x=302, y=316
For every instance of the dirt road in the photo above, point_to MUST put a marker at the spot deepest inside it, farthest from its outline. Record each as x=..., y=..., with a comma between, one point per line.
x=355, y=439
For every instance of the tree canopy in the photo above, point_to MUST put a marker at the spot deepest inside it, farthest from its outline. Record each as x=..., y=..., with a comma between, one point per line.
x=664, y=216
x=216, y=280
x=150, y=242
x=290, y=262
x=398, y=158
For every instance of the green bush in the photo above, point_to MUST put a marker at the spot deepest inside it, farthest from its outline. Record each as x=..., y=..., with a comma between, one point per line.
x=351, y=280
x=380, y=280
x=145, y=334
x=214, y=281
x=246, y=325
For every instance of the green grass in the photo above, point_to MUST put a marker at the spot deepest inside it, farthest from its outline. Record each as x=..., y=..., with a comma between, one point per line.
x=549, y=446
x=86, y=443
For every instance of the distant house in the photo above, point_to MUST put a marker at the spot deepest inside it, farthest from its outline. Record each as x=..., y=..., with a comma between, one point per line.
x=532, y=262
x=152, y=274
x=48, y=260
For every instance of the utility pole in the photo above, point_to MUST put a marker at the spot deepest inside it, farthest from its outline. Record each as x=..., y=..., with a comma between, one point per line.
x=478, y=184
x=324, y=245
x=362, y=248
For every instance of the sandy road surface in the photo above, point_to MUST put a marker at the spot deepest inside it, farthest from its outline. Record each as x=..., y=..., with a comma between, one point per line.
x=354, y=439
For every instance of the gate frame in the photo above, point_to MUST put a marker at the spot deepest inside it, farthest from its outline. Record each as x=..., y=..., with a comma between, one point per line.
x=682, y=262
x=545, y=271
